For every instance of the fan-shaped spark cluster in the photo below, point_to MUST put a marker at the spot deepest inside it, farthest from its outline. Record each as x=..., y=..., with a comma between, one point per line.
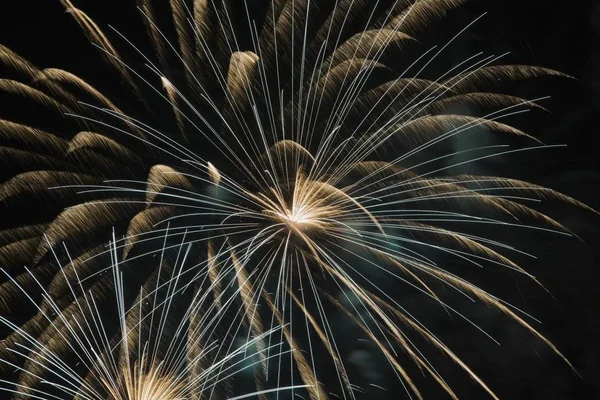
x=133, y=361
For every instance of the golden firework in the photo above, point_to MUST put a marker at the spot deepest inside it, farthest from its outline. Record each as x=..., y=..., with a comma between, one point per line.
x=299, y=149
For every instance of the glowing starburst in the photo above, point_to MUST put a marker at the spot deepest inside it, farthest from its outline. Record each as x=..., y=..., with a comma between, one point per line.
x=307, y=157
x=142, y=360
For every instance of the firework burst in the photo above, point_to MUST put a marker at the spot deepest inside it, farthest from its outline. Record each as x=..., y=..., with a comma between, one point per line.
x=153, y=352
x=303, y=152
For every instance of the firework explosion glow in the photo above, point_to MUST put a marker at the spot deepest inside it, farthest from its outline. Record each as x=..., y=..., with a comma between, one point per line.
x=266, y=171
x=147, y=359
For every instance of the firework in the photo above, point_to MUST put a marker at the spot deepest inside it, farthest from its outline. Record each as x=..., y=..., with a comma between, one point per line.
x=153, y=352
x=303, y=153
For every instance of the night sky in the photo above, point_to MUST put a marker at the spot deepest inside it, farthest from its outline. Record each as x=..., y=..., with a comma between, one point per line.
x=560, y=35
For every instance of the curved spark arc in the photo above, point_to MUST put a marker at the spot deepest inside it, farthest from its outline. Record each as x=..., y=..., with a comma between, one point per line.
x=284, y=202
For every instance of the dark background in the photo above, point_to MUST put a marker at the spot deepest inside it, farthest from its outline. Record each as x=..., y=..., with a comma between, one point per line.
x=561, y=35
